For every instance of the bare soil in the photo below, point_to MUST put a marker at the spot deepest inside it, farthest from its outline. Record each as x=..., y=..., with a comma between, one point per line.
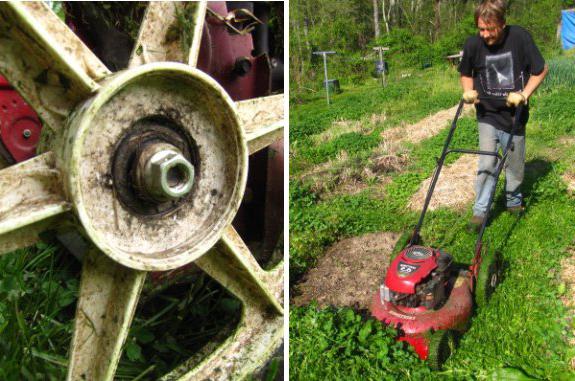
x=569, y=178
x=425, y=128
x=343, y=176
x=349, y=273
x=454, y=189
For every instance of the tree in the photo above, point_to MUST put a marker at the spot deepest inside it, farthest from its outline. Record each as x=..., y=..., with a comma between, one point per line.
x=376, y=18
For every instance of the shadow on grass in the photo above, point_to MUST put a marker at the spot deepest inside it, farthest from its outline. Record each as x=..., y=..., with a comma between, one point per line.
x=534, y=171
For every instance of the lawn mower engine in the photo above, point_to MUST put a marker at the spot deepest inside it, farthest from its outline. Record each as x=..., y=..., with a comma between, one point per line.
x=426, y=298
x=418, y=278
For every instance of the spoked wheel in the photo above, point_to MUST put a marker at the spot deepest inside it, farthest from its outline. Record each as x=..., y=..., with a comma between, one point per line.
x=441, y=345
x=488, y=277
x=150, y=164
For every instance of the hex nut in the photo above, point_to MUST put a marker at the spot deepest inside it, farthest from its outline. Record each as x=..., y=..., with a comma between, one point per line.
x=165, y=173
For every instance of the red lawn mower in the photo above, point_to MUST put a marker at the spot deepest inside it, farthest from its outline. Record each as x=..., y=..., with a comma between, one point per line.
x=425, y=295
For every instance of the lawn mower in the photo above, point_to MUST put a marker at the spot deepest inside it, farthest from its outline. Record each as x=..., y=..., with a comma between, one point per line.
x=425, y=294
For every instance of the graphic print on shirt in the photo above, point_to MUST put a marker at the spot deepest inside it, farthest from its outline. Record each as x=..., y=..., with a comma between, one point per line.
x=498, y=79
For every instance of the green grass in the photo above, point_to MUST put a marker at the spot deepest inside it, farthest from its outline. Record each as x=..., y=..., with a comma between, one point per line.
x=560, y=73
x=400, y=101
x=39, y=289
x=524, y=326
x=344, y=346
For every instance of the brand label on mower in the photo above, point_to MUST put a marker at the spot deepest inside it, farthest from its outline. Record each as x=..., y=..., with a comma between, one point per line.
x=405, y=269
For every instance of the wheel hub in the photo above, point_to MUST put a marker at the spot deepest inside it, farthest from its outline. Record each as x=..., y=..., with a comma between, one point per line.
x=156, y=165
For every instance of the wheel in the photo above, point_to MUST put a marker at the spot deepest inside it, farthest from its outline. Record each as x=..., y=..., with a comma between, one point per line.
x=441, y=345
x=150, y=164
x=488, y=277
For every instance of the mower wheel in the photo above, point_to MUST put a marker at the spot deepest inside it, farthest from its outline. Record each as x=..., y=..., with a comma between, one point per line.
x=441, y=345
x=488, y=277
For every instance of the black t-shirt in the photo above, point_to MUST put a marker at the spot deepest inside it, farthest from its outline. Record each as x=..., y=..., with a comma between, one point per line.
x=500, y=69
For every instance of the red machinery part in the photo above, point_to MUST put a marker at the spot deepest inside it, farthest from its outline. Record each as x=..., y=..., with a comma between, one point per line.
x=19, y=125
x=227, y=57
x=411, y=269
x=415, y=324
x=224, y=55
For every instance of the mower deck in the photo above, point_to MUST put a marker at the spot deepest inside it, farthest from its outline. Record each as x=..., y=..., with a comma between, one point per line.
x=416, y=324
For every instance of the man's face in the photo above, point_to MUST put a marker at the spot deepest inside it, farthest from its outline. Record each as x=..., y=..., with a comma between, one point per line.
x=491, y=32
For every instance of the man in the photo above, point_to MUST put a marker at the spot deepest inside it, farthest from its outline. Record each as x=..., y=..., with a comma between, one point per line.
x=502, y=61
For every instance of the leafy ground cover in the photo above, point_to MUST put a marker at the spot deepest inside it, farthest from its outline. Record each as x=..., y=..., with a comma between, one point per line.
x=524, y=327
x=399, y=102
x=39, y=289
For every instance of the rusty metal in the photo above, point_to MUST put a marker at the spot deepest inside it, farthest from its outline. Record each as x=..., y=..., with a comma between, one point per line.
x=89, y=111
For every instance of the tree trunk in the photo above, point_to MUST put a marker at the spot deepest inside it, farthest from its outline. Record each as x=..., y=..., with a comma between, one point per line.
x=437, y=23
x=376, y=18
x=306, y=34
x=295, y=27
x=384, y=16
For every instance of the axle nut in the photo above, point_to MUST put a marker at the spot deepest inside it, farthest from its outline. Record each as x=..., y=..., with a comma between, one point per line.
x=166, y=174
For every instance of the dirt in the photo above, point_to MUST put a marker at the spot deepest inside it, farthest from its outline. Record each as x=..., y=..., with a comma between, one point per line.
x=454, y=189
x=342, y=176
x=343, y=126
x=569, y=178
x=349, y=273
x=425, y=128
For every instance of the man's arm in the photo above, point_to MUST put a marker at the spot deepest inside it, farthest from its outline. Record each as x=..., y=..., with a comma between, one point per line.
x=469, y=95
x=534, y=82
x=467, y=83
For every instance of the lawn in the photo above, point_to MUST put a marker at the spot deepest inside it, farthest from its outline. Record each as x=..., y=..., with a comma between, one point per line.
x=525, y=328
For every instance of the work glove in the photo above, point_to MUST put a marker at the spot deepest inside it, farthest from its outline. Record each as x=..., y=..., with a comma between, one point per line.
x=470, y=96
x=515, y=99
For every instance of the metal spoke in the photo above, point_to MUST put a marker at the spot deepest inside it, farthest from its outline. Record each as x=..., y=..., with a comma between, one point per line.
x=259, y=333
x=231, y=263
x=170, y=31
x=263, y=120
x=258, y=336
x=30, y=192
x=28, y=235
x=199, y=20
x=45, y=61
x=108, y=298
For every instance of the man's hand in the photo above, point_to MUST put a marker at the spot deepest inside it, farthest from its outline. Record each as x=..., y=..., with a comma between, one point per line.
x=470, y=96
x=515, y=99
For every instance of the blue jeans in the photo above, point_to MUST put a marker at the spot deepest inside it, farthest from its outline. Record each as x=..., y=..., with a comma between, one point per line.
x=492, y=139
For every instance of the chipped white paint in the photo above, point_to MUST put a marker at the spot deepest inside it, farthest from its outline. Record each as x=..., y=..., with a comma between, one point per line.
x=160, y=36
x=108, y=298
x=45, y=61
x=168, y=89
x=199, y=20
x=263, y=120
x=30, y=192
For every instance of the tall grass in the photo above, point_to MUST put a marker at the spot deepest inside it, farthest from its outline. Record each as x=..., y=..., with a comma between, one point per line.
x=561, y=74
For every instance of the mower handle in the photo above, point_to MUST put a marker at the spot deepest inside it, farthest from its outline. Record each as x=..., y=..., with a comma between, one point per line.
x=415, y=237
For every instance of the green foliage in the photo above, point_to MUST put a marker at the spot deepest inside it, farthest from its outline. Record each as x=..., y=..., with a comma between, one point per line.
x=561, y=74
x=351, y=142
x=340, y=344
x=412, y=49
x=523, y=331
x=414, y=38
x=39, y=288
